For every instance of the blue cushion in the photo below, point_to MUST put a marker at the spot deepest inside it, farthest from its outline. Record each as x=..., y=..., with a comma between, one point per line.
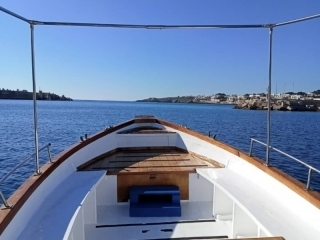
x=155, y=205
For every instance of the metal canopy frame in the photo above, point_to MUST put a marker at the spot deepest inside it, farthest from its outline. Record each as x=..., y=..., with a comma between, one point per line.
x=145, y=26
x=269, y=26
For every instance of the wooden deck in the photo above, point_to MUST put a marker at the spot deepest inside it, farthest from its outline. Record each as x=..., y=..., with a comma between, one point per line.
x=148, y=161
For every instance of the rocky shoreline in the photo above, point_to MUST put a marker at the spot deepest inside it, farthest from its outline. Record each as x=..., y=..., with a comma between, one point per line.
x=249, y=104
x=279, y=105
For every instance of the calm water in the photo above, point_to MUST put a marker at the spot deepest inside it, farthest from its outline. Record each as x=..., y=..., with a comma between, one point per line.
x=62, y=123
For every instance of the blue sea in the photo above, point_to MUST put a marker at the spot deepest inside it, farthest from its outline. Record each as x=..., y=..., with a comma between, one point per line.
x=62, y=124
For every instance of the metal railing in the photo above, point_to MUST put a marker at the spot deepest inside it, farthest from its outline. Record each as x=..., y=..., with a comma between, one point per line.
x=311, y=168
x=5, y=203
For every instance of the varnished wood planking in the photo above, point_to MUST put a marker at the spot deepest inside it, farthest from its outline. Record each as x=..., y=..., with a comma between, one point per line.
x=124, y=182
x=130, y=161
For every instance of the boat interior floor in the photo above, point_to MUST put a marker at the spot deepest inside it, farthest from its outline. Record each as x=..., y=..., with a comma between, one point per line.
x=196, y=222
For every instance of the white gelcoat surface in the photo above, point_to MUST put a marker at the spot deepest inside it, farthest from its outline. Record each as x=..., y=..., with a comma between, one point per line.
x=22, y=218
x=78, y=227
x=268, y=212
x=222, y=204
x=200, y=189
x=53, y=216
x=107, y=190
x=88, y=206
x=69, y=232
x=243, y=225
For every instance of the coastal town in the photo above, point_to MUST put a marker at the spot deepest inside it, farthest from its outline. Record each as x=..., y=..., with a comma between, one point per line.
x=290, y=101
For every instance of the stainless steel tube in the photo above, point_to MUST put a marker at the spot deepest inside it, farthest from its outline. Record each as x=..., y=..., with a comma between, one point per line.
x=297, y=20
x=309, y=179
x=13, y=14
x=49, y=153
x=251, y=145
x=35, y=117
x=269, y=98
x=111, y=25
x=5, y=203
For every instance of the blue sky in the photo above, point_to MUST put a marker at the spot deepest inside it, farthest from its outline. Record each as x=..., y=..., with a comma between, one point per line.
x=131, y=64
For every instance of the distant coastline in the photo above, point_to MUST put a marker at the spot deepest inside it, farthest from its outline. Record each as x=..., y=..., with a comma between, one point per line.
x=184, y=99
x=25, y=95
x=281, y=102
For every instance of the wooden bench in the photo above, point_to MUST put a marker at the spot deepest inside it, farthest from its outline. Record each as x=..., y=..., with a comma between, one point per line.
x=155, y=201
